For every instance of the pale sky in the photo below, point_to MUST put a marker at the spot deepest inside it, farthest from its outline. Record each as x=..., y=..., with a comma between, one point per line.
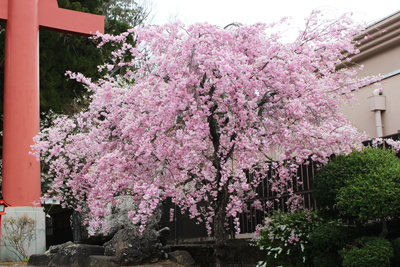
x=223, y=12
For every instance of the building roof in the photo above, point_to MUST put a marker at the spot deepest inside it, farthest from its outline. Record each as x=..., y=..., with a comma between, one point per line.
x=378, y=36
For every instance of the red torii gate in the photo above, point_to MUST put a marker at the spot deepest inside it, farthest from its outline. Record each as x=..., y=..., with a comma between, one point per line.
x=21, y=171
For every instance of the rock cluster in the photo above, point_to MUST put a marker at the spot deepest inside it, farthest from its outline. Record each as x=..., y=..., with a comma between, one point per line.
x=74, y=255
x=121, y=245
x=116, y=219
x=127, y=247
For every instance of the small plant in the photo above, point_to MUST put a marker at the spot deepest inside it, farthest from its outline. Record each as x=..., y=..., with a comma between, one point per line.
x=17, y=235
x=285, y=238
x=368, y=251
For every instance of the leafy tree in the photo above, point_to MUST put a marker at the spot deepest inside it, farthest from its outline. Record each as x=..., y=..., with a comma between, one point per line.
x=363, y=185
x=207, y=109
x=60, y=52
x=123, y=14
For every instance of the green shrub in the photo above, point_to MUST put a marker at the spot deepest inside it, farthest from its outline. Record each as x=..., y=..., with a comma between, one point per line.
x=327, y=240
x=285, y=238
x=328, y=213
x=328, y=260
x=363, y=185
x=367, y=252
x=396, y=250
x=331, y=237
x=329, y=179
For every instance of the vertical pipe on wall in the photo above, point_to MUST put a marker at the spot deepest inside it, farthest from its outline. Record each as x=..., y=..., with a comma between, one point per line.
x=378, y=123
x=377, y=104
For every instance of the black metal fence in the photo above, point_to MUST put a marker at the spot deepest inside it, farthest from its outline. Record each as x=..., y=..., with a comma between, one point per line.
x=183, y=229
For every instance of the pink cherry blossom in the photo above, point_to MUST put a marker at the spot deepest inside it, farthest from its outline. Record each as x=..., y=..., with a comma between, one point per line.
x=202, y=114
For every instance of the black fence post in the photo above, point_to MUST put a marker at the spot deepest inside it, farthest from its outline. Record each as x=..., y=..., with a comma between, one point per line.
x=76, y=227
x=177, y=213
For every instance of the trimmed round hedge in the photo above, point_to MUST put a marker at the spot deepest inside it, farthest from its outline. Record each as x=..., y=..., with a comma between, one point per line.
x=367, y=252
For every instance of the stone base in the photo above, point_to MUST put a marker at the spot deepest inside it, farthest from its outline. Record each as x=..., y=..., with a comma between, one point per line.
x=38, y=244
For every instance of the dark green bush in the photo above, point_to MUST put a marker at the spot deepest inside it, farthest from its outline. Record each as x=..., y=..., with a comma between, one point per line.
x=396, y=250
x=327, y=240
x=363, y=185
x=368, y=252
x=331, y=238
x=329, y=179
x=328, y=260
x=328, y=213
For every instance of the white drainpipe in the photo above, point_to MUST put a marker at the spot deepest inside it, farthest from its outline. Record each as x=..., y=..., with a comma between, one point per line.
x=377, y=104
x=378, y=123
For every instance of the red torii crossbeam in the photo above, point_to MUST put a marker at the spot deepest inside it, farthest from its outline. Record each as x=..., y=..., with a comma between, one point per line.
x=21, y=171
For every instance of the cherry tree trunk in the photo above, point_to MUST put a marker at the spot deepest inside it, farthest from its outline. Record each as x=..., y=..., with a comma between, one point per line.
x=220, y=234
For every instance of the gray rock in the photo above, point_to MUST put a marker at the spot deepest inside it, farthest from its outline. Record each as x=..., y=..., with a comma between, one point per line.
x=63, y=261
x=181, y=257
x=163, y=234
x=40, y=259
x=101, y=261
x=167, y=248
x=130, y=247
x=81, y=249
x=116, y=219
x=127, y=247
x=56, y=248
x=75, y=255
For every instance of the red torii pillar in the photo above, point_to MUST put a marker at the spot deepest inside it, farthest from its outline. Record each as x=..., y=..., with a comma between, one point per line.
x=21, y=171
